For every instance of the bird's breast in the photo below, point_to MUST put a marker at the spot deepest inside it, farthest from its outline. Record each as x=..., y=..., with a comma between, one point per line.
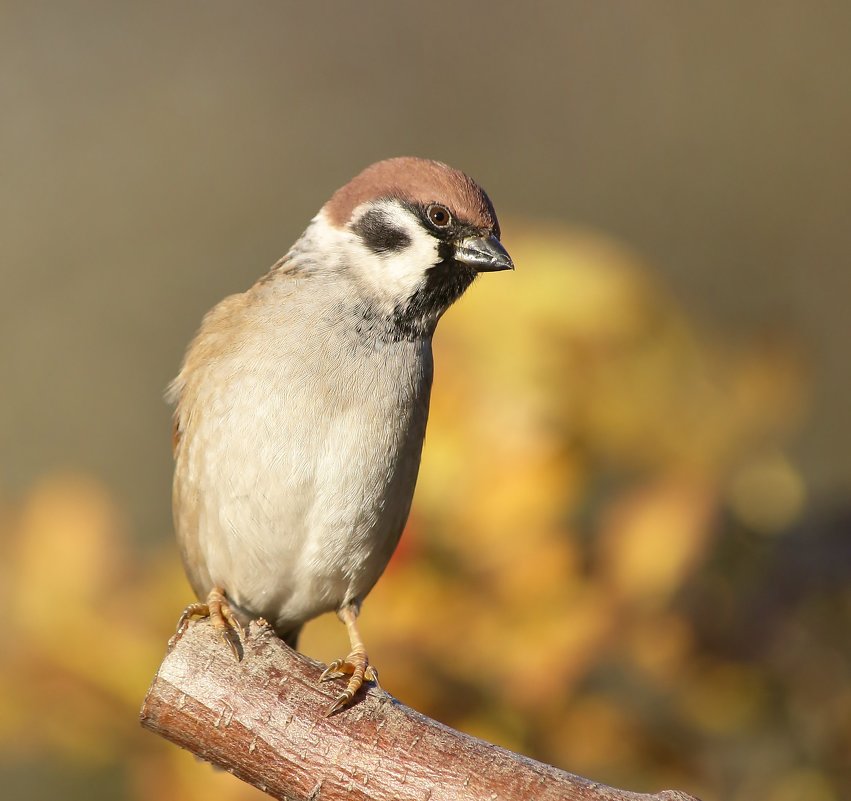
x=303, y=472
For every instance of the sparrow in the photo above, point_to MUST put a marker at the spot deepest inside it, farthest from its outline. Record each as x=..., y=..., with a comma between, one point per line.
x=301, y=405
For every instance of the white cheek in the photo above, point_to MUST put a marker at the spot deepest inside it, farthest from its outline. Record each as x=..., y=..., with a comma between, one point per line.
x=399, y=273
x=392, y=277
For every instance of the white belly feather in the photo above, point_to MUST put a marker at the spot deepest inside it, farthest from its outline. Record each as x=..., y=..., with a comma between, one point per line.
x=300, y=497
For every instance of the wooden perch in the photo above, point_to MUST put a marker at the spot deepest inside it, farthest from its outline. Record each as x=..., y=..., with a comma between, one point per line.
x=261, y=719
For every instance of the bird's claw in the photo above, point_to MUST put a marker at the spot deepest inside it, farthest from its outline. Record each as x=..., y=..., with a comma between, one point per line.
x=356, y=665
x=333, y=671
x=341, y=667
x=340, y=702
x=217, y=608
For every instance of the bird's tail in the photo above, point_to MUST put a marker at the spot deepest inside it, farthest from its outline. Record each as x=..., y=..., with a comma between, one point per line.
x=290, y=636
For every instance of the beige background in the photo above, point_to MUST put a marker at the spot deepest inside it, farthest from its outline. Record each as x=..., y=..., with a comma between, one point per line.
x=157, y=156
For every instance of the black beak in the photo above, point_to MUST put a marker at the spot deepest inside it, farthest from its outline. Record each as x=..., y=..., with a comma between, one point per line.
x=485, y=254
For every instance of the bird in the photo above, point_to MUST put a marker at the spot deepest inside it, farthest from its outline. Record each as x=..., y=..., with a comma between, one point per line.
x=300, y=406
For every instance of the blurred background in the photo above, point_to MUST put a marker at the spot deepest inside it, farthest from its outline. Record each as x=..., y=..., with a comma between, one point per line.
x=629, y=553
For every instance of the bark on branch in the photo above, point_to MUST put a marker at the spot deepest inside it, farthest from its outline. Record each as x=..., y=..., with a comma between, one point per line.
x=261, y=719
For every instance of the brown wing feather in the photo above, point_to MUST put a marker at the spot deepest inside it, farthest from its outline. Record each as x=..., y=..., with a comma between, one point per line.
x=175, y=436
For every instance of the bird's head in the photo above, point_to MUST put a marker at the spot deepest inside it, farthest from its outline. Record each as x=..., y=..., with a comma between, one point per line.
x=413, y=234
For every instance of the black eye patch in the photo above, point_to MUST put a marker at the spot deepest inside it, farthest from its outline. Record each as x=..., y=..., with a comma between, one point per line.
x=379, y=235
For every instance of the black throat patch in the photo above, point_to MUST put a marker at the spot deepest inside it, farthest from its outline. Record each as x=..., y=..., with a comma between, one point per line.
x=442, y=286
x=417, y=317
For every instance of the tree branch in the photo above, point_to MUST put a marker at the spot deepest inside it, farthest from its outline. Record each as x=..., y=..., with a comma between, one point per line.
x=261, y=719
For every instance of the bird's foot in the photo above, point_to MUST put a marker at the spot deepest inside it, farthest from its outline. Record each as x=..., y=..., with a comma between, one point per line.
x=356, y=666
x=217, y=608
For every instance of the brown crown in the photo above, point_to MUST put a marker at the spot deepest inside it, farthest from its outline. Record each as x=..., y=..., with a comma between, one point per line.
x=419, y=181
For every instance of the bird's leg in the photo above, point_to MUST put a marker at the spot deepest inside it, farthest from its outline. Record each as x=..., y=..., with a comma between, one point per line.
x=217, y=608
x=355, y=665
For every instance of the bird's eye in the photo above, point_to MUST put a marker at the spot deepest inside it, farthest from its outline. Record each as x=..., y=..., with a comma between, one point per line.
x=438, y=216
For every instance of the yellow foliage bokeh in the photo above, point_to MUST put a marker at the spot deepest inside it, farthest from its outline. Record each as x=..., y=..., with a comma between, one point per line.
x=594, y=472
